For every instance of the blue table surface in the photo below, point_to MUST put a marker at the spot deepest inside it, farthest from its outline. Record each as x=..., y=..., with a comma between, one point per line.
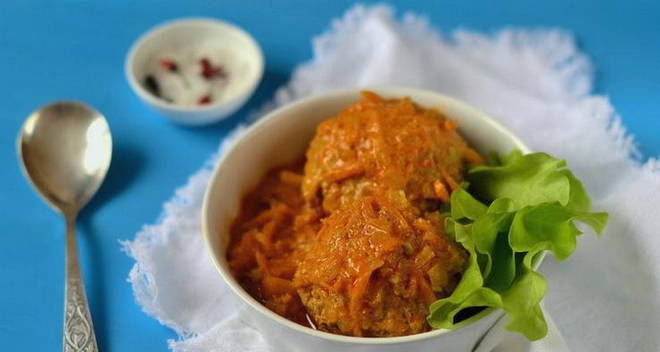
x=53, y=50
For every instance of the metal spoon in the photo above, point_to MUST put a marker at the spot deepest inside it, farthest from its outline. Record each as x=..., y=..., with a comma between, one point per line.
x=65, y=149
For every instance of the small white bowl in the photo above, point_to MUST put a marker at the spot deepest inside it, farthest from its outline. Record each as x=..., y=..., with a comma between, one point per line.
x=181, y=33
x=282, y=136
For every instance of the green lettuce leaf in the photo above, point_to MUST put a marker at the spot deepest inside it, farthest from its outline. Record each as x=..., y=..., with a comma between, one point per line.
x=510, y=214
x=524, y=179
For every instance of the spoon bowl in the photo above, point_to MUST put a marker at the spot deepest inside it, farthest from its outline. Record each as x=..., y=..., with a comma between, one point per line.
x=65, y=149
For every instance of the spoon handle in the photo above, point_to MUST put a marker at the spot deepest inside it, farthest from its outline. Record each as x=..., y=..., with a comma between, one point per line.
x=78, y=327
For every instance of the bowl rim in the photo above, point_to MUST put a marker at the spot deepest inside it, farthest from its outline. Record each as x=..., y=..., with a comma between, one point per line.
x=270, y=119
x=157, y=30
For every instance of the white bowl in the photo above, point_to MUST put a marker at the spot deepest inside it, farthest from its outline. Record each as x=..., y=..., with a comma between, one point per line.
x=181, y=33
x=282, y=136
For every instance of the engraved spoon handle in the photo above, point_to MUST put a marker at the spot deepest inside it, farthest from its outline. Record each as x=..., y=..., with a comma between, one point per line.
x=78, y=327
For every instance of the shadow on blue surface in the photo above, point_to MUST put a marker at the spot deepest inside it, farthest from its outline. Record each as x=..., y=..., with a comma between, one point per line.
x=127, y=162
x=96, y=284
x=125, y=168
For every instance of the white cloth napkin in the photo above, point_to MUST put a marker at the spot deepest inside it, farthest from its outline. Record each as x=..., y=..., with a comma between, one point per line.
x=603, y=298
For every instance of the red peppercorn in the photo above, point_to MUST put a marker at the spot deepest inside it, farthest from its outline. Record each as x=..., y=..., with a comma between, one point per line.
x=206, y=64
x=169, y=65
x=203, y=100
x=209, y=71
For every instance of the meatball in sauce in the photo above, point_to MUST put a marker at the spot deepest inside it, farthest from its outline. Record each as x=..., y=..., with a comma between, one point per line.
x=351, y=239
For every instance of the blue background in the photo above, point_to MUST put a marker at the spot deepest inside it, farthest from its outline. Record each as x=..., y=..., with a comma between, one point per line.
x=76, y=49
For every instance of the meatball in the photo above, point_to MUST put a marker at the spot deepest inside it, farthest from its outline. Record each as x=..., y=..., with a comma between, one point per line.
x=355, y=244
x=378, y=144
x=369, y=271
